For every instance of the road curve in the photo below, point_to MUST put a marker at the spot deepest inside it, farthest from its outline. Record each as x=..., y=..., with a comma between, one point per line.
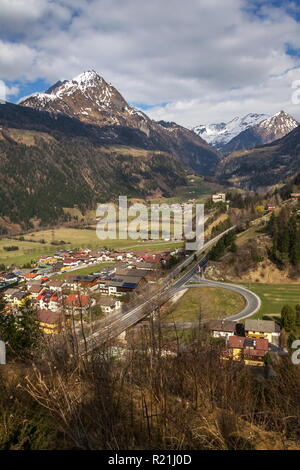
x=117, y=323
x=253, y=302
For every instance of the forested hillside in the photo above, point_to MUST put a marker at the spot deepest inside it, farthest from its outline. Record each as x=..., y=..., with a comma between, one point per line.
x=40, y=179
x=284, y=230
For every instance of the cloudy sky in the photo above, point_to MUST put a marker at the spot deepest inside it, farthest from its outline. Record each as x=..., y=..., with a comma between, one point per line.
x=193, y=62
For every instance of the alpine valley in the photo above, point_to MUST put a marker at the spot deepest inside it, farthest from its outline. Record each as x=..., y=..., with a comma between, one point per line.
x=80, y=143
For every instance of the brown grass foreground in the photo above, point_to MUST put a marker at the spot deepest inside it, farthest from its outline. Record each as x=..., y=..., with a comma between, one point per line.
x=148, y=399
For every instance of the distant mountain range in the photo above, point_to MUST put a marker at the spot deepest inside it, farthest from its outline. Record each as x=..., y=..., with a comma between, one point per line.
x=90, y=99
x=250, y=131
x=262, y=167
x=80, y=143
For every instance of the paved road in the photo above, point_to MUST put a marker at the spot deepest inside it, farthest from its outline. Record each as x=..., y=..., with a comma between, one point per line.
x=121, y=322
x=253, y=302
x=115, y=324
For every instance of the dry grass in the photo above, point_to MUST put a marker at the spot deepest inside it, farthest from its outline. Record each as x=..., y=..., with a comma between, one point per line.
x=138, y=397
x=211, y=302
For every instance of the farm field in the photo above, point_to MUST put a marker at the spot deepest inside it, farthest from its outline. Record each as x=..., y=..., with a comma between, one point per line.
x=197, y=189
x=73, y=238
x=83, y=238
x=211, y=302
x=25, y=254
x=274, y=297
x=65, y=238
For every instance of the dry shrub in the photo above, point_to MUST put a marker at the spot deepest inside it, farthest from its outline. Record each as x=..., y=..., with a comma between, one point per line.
x=158, y=394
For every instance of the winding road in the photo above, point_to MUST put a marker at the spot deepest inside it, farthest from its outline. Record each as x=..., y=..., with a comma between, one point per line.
x=119, y=322
x=253, y=302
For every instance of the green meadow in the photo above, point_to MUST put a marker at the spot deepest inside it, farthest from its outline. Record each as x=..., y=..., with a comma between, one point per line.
x=274, y=297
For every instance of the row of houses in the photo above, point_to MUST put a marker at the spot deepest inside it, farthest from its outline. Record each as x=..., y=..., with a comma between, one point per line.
x=261, y=329
x=64, y=260
x=75, y=294
x=78, y=294
x=247, y=342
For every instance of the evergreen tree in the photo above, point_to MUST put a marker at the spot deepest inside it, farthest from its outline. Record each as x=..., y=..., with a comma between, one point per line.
x=20, y=332
x=288, y=318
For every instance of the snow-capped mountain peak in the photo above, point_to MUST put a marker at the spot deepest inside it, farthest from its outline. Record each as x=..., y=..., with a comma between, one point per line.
x=87, y=97
x=248, y=131
x=220, y=134
x=282, y=123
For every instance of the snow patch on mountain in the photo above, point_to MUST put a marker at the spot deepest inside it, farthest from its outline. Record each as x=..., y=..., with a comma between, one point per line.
x=88, y=97
x=282, y=122
x=220, y=134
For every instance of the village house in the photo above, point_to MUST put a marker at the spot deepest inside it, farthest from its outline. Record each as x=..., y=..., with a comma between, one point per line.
x=35, y=290
x=71, y=262
x=31, y=276
x=33, y=282
x=9, y=293
x=222, y=328
x=57, y=267
x=48, y=260
x=249, y=350
x=152, y=258
x=115, y=256
x=265, y=329
x=78, y=303
x=82, y=282
x=132, y=272
x=49, y=300
x=218, y=197
x=111, y=287
x=55, y=302
x=56, y=286
x=43, y=299
x=21, y=274
x=95, y=256
x=146, y=266
x=50, y=322
x=109, y=304
x=10, y=278
x=19, y=299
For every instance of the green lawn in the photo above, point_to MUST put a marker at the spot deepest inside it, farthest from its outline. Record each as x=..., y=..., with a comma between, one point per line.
x=83, y=271
x=196, y=189
x=212, y=302
x=82, y=238
x=75, y=238
x=27, y=251
x=274, y=296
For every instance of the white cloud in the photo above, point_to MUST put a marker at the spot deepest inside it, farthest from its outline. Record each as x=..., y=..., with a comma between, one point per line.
x=15, y=59
x=31, y=17
x=269, y=97
x=210, y=59
x=12, y=91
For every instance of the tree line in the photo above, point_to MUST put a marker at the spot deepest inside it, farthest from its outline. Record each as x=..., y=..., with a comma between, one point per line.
x=284, y=231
